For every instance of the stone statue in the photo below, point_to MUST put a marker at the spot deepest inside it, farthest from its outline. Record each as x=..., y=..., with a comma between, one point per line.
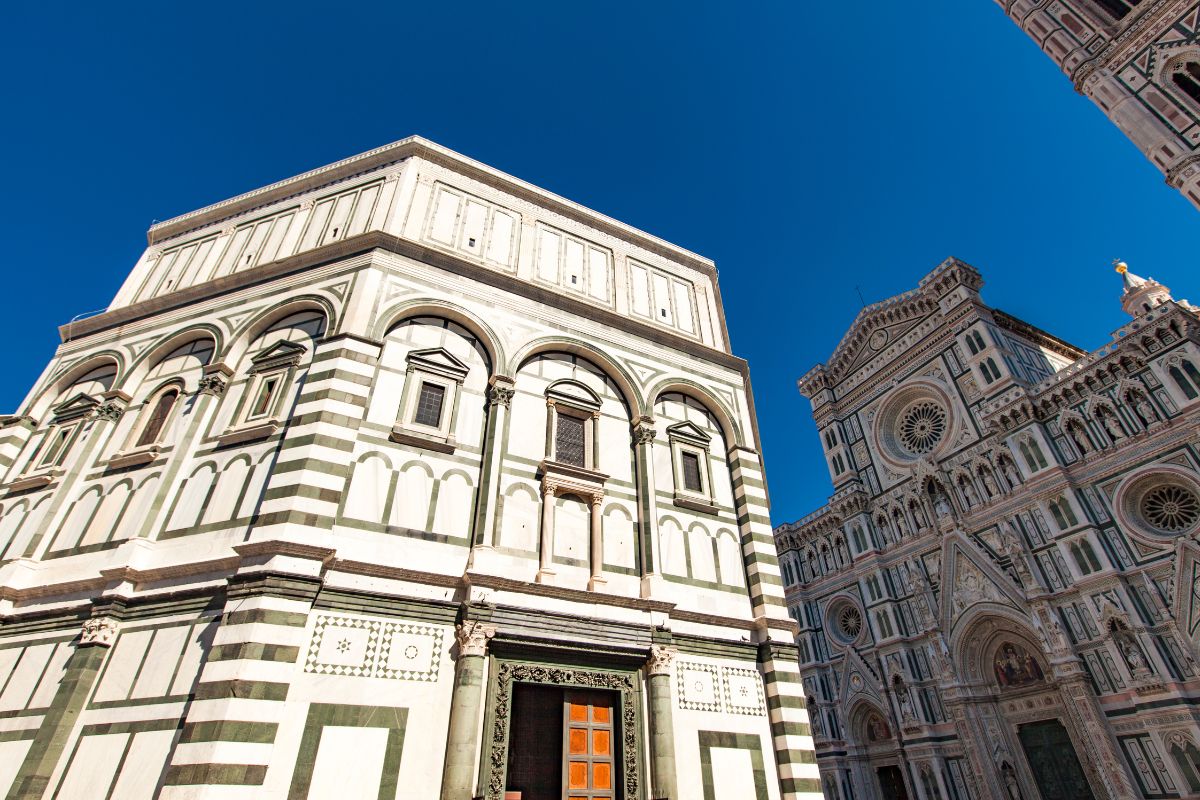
x=1010, y=473
x=1079, y=438
x=969, y=492
x=1145, y=411
x=989, y=482
x=1113, y=427
x=941, y=506
x=1011, y=786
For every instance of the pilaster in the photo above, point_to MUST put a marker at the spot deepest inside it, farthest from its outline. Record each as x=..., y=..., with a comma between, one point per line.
x=791, y=735
x=664, y=781
x=461, y=766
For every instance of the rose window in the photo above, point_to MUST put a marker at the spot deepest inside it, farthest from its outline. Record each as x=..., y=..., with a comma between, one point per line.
x=849, y=622
x=921, y=427
x=1170, y=508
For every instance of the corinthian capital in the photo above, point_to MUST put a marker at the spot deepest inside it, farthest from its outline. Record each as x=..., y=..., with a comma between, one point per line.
x=473, y=637
x=99, y=631
x=643, y=430
x=660, y=660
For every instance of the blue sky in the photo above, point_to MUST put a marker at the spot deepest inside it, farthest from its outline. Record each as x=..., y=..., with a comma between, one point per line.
x=808, y=148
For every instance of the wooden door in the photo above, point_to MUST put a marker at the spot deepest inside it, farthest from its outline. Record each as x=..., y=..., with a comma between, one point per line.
x=589, y=745
x=1052, y=760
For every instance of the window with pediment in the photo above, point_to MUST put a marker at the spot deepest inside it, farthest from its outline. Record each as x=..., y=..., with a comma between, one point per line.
x=430, y=400
x=691, y=460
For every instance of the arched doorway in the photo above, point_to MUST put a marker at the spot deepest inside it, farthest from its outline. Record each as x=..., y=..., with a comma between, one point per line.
x=880, y=769
x=1025, y=732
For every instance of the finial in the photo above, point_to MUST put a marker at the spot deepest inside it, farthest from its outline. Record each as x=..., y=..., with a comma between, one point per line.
x=1121, y=266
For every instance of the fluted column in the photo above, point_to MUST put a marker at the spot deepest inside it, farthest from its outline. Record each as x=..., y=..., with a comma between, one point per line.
x=458, y=779
x=664, y=782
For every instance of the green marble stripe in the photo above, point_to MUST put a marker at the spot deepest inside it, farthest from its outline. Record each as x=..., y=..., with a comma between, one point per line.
x=254, y=651
x=350, y=355
x=281, y=586
x=339, y=375
x=244, y=690
x=791, y=728
x=321, y=440
x=228, y=730
x=786, y=701
x=326, y=417
x=216, y=774
x=311, y=465
x=302, y=490
x=18, y=736
x=296, y=518
x=320, y=395
x=269, y=616
x=801, y=784
x=139, y=726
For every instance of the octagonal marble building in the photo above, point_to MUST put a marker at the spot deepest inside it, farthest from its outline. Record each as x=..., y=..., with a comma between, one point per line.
x=399, y=478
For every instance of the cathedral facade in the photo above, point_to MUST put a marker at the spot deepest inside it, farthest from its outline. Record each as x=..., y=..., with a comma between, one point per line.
x=1139, y=61
x=399, y=478
x=1001, y=599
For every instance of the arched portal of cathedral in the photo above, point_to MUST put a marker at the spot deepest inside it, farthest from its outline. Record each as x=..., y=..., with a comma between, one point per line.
x=879, y=766
x=1025, y=733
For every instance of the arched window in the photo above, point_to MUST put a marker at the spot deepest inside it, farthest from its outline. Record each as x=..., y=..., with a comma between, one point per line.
x=1085, y=557
x=1184, y=385
x=1186, y=78
x=1032, y=454
x=990, y=371
x=1191, y=372
x=158, y=411
x=1118, y=9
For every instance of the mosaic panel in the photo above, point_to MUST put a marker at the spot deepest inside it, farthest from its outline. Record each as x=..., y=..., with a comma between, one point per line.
x=375, y=648
x=743, y=691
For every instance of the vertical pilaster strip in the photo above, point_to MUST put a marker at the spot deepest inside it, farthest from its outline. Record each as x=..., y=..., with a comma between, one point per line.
x=458, y=778
x=307, y=482
x=104, y=419
x=58, y=726
x=211, y=387
x=664, y=780
x=643, y=442
x=763, y=577
x=229, y=732
x=500, y=395
x=795, y=755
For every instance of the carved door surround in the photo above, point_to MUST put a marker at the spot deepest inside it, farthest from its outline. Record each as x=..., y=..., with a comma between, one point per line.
x=629, y=740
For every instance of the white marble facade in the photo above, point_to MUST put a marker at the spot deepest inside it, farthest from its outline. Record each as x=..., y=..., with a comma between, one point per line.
x=351, y=456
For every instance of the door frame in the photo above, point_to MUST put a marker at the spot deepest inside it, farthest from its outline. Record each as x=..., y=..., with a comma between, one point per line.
x=498, y=718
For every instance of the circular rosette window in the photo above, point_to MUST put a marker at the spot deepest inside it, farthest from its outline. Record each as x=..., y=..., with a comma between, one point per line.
x=914, y=422
x=845, y=621
x=1163, y=502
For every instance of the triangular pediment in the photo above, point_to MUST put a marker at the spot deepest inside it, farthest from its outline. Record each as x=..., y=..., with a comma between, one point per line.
x=75, y=406
x=439, y=360
x=690, y=432
x=282, y=353
x=878, y=328
x=573, y=393
x=969, y=579
x=859, y=680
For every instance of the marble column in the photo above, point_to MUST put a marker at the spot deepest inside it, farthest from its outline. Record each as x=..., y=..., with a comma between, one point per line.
x=458, y=779
x=499, y=399
x=662, y=729
x=647, y=509
x=596, y=557
x=545, y=573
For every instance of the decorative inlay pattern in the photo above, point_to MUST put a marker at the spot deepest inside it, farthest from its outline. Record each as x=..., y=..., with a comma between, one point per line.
x=922, y=426
x=1171, y=508
x=705, y=687
x=364, y=647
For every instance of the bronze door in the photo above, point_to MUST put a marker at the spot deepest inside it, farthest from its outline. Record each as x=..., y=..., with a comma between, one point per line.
x=891, y=783
x=1053, y=762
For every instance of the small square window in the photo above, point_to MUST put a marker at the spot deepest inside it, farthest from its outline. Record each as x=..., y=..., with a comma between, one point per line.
x=266, y=396
x=569, y=441
x=57, y=446
x=429, y=405
x=691, y=472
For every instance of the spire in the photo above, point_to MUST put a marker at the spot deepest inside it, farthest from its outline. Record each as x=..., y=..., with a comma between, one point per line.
x=1140, y=294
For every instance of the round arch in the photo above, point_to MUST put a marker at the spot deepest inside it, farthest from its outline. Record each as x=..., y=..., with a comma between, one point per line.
x=426, y=307
x=166, y=344
x=61, y=380
x=240, y=340
x=725, y=417
x=617, y=373
x=977, y=635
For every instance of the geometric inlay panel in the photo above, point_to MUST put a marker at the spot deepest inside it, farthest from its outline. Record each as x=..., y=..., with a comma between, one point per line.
x=699, y=686
x=743, y=691
x=705, y=687
x=375, y=648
